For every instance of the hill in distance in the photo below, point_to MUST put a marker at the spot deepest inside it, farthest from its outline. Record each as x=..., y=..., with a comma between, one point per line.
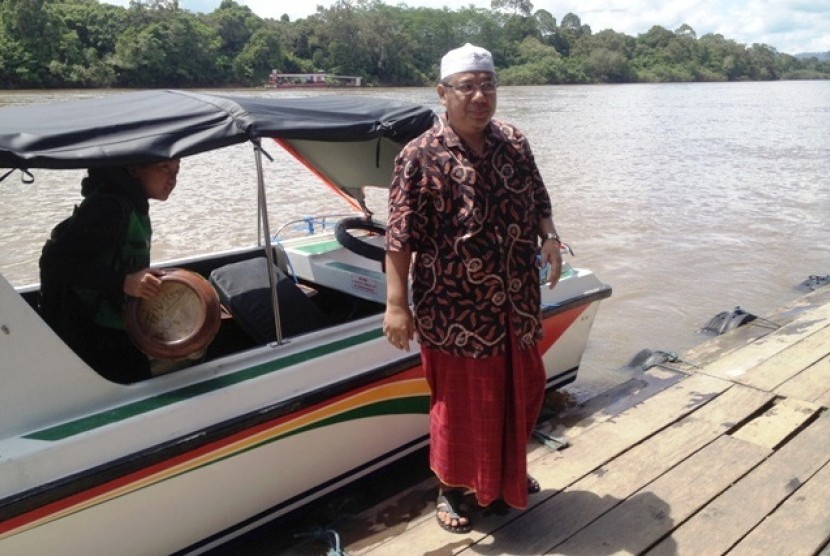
x=822, y=56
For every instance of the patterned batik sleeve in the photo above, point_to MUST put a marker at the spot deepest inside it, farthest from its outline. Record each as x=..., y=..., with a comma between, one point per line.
x=401, y=231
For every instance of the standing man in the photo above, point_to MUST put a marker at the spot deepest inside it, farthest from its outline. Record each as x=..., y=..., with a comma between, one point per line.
x=467, y=200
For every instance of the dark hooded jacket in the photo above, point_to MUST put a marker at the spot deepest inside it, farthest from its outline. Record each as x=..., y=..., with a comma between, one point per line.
x=87, y=257
x=89, y=254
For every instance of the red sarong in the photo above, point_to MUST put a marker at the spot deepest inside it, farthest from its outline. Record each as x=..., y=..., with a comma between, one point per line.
x=482, y=413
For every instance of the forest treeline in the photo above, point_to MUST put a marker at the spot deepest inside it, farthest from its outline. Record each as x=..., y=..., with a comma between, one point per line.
x=155, y=43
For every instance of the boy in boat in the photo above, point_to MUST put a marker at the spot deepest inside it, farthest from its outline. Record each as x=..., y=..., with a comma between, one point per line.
x=468, y=201
x=97, y=257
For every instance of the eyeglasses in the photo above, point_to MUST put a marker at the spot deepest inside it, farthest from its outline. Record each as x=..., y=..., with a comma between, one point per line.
x=467, y=88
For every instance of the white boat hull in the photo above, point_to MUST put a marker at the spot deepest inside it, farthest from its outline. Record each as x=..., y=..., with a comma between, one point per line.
x=188, y=460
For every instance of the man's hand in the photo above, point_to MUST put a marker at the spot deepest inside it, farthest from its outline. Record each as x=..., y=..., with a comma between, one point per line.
x=551, y=253
x=398, y=326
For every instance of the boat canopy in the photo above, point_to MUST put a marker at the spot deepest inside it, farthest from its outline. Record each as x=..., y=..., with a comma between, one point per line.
x=148, y=126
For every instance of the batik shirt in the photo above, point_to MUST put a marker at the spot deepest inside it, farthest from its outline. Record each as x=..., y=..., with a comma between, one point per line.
x=473, y=224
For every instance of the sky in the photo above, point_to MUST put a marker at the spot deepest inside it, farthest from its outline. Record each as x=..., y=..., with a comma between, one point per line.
x=790, y=26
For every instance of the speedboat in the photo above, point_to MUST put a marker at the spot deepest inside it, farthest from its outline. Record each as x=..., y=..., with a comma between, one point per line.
x=275, y=413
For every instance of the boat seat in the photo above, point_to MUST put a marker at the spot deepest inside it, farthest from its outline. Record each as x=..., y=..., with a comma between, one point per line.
x=244, y=289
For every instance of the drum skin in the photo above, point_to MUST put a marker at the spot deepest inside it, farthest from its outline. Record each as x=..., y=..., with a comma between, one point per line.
x=178, y=322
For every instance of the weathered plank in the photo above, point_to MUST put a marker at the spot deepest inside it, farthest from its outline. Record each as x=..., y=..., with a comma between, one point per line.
x=812, y=384
x=778, y=423
x=644, y=518
x=717, y=347
x=572, y=421
x=726, y=519
x=605, y=441
x=569, y=511
x=391, y=518
x=735, y=364
x=824, y=399
x=594, y=447
x=800, y=526
x=790, y=362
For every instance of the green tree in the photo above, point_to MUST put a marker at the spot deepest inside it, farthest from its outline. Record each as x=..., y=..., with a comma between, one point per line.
x=546, y=25
x=261, y=54
x=177, y=51
x=14, y=63
x=338, y=42
x=723, y=56
x=763, y=64
x=95, y=25
x=87, y=43
x=518, y=7
x=540, y=64
x=235, y=24
x=570, y=30
x=663, y=55
x=572, y=23
x=606, y=56
x=35, y=37
x=390, y=50
x=686, y=30
x=93, y=30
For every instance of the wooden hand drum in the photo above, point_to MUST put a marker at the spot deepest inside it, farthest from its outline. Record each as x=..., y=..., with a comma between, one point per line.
x=180, y=321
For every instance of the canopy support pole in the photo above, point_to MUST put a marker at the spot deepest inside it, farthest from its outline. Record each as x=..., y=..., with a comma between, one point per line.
x=266, y=234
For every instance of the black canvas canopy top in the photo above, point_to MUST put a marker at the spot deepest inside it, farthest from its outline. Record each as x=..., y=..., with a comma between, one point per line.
x=148, y=126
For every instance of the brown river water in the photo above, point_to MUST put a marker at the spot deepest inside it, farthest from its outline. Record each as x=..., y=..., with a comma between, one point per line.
x=688, y=199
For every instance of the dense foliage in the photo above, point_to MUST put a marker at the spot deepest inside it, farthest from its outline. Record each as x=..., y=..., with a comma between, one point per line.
x=84, y=43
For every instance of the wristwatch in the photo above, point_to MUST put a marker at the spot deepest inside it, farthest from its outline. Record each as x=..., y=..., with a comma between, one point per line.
x=551, y=235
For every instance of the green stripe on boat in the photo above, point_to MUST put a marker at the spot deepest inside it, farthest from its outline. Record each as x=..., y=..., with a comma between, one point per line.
x=409, y=405
x=317, y=248
x=84, y=424
x=357, y=270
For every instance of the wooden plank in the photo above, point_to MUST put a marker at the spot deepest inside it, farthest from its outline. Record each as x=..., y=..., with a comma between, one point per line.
x=778, y=423
x=651, y=513
x=790, y=362
x=605, y=441
x=557, y=470
x=812, y=384
x=573, y=421
x=727, y=519
x=799, y=526
x=581, y=503
x=718, y=346
x=824, y=399
x=735, y=364
x=409, y=509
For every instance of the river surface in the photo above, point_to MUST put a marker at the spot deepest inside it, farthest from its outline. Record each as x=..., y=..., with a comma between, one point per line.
x=688, y=199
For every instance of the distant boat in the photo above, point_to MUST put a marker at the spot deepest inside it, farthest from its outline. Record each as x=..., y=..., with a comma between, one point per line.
x=279, y=80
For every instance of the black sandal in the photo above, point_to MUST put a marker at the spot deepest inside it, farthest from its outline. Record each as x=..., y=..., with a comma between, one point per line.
x=533, y=485
x=449, y=502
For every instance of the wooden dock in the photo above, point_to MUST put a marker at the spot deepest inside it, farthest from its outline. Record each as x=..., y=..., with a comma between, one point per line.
x=726, y=453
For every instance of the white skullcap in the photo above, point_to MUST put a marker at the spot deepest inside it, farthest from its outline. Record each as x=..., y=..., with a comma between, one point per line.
x=466, y=58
